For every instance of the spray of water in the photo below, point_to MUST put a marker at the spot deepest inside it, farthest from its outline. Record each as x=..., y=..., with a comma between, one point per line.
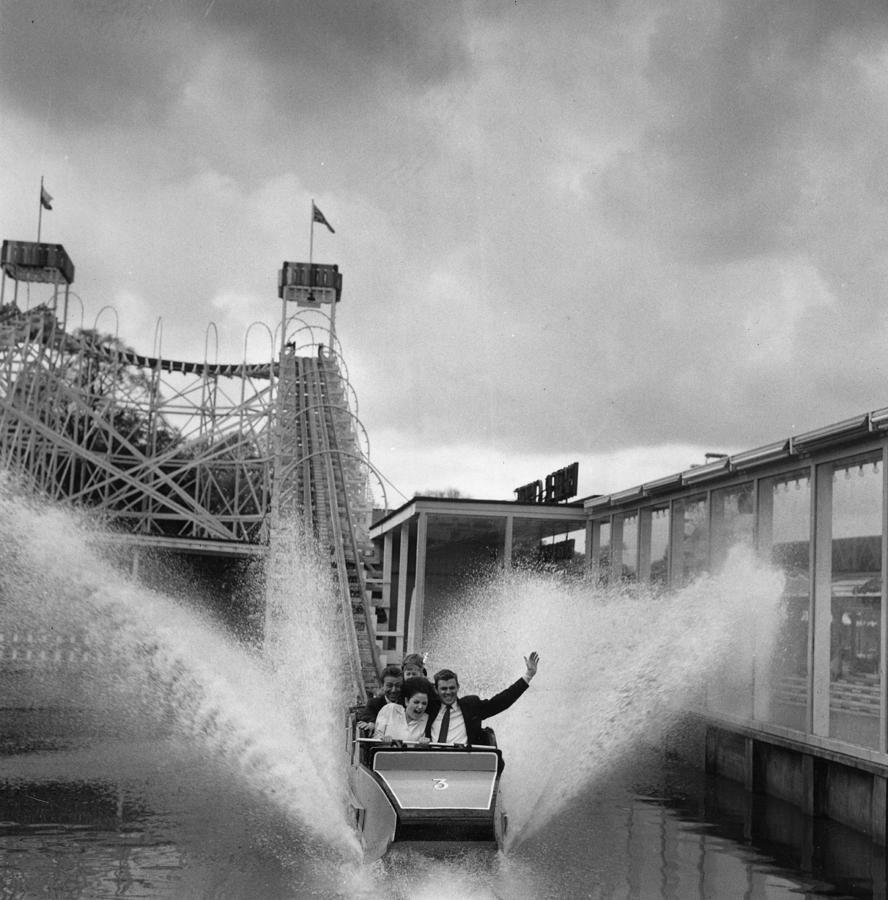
x=152, y=660
x=618, y=665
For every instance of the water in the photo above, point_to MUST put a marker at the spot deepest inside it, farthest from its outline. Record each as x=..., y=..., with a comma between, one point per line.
x=617, y=666
x=174, y=761
x=155, y=821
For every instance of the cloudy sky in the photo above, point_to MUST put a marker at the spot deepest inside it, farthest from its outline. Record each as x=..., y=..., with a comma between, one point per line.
x=624, y=233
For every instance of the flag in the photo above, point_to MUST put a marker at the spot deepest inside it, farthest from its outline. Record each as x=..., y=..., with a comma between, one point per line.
x=318, y=216
x=45, y=199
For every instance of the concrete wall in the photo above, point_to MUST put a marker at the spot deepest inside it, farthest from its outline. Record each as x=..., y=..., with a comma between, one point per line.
x=820, y=782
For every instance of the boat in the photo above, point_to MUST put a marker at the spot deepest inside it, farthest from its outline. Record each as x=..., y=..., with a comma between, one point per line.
x=433, y=797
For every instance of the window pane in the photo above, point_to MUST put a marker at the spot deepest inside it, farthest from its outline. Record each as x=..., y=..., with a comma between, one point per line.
x=731, y=690
x=693, y=551
x=785, y=503
x=732, y=521
x=855, y=644
x=604, y=553
x=659, y=545
x=629, y=555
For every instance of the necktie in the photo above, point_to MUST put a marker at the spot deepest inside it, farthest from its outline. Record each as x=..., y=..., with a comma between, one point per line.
x=445, y=724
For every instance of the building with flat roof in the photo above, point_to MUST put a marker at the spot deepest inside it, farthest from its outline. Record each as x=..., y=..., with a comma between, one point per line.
x=431, y=545
x=810, y=722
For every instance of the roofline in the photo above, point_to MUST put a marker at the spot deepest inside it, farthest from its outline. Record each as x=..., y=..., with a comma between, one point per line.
x=573, y=511
x=797, y=447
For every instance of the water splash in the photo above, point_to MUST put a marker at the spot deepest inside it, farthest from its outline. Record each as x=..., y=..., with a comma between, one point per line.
x=618, y=665
x=151, y=662
x=307, y=651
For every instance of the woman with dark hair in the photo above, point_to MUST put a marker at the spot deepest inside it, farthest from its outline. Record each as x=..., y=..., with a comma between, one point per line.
x=407, y=722
x=413, y=666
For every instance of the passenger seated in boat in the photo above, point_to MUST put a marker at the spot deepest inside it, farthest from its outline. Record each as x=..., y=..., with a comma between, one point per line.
x=459, y=720
x=390, y=692
x=407, y=722
x=413, y=666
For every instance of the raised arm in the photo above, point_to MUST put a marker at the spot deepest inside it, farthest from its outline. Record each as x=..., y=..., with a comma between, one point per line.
x=504, y=699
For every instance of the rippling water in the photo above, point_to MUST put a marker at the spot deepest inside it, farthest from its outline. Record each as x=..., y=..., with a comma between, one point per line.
x=164, y=759
x=155, y=821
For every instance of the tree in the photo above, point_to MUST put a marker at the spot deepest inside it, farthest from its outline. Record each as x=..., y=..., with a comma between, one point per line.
x=448, y=493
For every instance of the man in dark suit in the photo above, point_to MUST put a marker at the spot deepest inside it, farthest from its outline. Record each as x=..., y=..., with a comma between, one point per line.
x=459, y=719
x=390, y=684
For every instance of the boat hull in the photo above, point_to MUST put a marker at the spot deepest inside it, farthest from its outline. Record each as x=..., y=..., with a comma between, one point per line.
x=425, y=796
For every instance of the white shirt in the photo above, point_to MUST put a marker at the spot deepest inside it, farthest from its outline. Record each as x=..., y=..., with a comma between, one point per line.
x=456, y=731
x=392, y=723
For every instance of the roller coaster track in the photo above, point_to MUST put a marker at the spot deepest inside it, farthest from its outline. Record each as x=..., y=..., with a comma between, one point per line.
x=194, y=456
x=321, y=475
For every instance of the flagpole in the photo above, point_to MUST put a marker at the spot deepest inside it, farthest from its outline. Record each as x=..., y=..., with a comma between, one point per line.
x=40, y=210
x=311, y=240
x=310, y=278
x=332, y=321
x=311, y=237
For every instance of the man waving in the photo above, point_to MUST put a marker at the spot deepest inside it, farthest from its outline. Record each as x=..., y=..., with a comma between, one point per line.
x=459, y=719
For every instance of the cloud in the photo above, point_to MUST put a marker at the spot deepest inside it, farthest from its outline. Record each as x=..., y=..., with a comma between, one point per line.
x=657, y=223
x=742, y=99
x=85, y=64
x=493, y=472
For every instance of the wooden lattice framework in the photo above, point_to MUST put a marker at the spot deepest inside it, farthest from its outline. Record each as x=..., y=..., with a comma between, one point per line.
x=202, y=457
x=161, y=448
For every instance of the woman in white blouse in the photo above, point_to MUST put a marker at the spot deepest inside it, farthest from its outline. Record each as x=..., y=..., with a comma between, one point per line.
x=407, y=722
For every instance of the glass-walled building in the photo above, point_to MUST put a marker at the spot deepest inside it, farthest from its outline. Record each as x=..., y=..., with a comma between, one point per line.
x=812, y=715
x=432, y=549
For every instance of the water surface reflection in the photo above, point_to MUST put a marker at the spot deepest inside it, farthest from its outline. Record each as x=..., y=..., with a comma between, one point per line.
x=662, y=829
x=153, y=821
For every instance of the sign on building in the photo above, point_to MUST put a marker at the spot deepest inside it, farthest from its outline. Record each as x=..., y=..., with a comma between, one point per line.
x=558, y=486
x=310, y=285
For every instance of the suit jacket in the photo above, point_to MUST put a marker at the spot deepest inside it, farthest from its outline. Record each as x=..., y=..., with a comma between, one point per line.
x=371, y=710
x=475, y=710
